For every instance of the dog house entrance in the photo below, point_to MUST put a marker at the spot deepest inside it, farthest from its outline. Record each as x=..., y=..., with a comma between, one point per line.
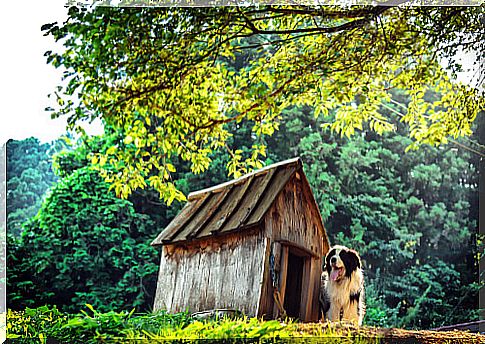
x=294, y=279
x=293, y=285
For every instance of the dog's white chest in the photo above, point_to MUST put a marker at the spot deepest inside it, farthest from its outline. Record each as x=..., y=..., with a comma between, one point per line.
x=341, y=305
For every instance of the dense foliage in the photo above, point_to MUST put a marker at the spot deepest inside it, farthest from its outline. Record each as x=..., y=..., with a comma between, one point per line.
x=84, y=246
x=166, y=77
x=89, y=326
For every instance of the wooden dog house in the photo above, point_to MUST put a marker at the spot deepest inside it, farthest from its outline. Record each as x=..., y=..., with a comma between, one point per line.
x=254, y=244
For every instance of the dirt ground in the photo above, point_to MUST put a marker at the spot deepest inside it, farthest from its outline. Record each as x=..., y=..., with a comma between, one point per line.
x=394, y=335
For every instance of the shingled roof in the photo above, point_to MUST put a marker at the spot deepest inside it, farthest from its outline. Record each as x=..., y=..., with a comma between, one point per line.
x=234, y=205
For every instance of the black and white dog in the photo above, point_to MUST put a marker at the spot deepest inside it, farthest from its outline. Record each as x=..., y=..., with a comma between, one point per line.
x=342, y=288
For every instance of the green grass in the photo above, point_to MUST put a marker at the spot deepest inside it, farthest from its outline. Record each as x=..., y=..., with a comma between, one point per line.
x=89, y=326
x=94, y=327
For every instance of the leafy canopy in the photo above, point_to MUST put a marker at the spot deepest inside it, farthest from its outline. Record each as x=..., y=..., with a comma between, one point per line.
x=171, y=79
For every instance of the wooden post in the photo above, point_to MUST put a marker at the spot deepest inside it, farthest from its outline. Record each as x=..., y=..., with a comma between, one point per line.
x=283, y=265
x=264, y=280
x=307, y=290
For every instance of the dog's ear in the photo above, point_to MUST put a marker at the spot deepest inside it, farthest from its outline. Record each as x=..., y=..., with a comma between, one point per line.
x=356, y=257
x=326, y=264
x=351, y=261
x=327, y=267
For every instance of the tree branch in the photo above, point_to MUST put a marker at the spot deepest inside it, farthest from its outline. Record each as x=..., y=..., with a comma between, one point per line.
x=364, y=15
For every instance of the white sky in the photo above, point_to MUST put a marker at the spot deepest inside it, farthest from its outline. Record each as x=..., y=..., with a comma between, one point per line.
x=26, y=79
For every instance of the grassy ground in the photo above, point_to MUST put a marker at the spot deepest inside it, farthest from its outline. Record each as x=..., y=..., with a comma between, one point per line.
x=94, y=327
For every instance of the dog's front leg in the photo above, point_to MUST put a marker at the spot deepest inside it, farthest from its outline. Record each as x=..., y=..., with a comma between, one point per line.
x=333, y=313
x=351, y=313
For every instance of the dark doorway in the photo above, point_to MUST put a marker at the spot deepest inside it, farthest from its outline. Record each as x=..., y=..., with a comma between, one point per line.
x=293, y=285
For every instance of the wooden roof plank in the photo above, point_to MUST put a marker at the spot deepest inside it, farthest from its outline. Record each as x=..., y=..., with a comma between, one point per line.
x=199, y=193
x=238, y=204
x=249, y=201
x=258, y=195
x=212, y=211
x=227, y=211
x=180, y=220
x=198, y=220
x=277, y=184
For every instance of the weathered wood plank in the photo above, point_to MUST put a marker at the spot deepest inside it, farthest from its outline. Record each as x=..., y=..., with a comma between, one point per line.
x=283, y=276
x=196, y=278
x=224, y=212
x=211, y=213
x=246, y=203
x=205, y=214
x=216, y=188
x=252, y=200
x=197, y=219
x=306, y=291
x=262, y=281
x=165, y=283
x=277, y=255
x=242, y=291
x=278, y=182
x=231, y=208
x=315, y=279
x=218, y=276
x=180, y=301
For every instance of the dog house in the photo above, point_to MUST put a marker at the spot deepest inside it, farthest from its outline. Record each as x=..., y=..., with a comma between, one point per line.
x=254, y=244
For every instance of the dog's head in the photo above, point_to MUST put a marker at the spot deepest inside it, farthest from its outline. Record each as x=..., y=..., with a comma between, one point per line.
x=341, y=262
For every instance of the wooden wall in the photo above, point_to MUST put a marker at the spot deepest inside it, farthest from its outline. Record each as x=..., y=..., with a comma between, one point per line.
x=292, y=218
x=294, y=221
x=216, y=273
